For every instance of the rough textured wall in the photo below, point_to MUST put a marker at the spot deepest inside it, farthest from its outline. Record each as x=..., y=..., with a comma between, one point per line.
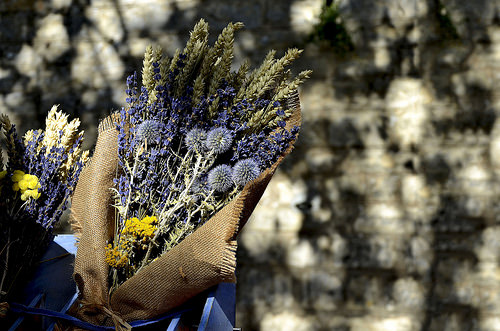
x=385, y=216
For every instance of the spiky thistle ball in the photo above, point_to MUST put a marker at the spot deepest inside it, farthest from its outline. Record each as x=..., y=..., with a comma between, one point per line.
x=220, y=178
x=245, y=170
x=219, y=140
x=149, y=130
x=195, y=139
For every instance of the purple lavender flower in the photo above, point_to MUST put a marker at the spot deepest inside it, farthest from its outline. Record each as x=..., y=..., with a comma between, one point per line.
x=245, y=170
x=219, y=140
x=220, y=178
x=280, y=112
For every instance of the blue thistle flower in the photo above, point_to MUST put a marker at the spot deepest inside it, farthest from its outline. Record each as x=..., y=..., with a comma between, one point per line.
x=195, y=139
x=219, y=140
x=220, y=178
x=149, y=130
x=245, y=170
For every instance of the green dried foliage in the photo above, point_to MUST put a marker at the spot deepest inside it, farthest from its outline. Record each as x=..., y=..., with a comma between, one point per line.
x=198, y=87
x=6, y=126
x=1, y=159
x=239, y=77
x=287, y=88
x=205, y=68
x=147, y=69
x=266, y=64
x=225, y=43
x=268, y=78
x=199, y=33
x=164, y=66
x=194, y=52
x=192, y=62
x=175, y=59
x=151, y=56
x=283, y=92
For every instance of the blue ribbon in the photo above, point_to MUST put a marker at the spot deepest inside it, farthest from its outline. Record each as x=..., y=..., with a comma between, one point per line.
x=22, y=309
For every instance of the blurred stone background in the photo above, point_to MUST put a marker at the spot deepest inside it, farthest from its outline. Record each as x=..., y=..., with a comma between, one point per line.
x=385, y=216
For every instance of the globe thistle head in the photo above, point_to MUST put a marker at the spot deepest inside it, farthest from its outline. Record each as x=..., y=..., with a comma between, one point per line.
x=245, y=170
x=219, y=140
x=195, y=139
x=149, y=130
x=220, y=178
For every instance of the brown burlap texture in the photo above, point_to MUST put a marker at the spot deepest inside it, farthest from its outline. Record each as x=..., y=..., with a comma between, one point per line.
x=205, y=258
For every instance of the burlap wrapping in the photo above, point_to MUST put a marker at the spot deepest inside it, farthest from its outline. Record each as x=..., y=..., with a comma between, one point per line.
x=205, y=258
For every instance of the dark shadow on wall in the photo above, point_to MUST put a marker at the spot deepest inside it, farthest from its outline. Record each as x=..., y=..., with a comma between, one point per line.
x=282, y=281
x=452, y=229
x=52, y=82
x=455, y=235
x=475, y=112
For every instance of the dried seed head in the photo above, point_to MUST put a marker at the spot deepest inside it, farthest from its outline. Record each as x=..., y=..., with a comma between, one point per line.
x=149, y=130
x=195, y=139
x=219, y=140
x=220, y=178
x=245, y=170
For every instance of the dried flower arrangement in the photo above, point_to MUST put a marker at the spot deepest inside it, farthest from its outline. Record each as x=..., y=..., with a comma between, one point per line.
x=176, y=174
x=40, y=174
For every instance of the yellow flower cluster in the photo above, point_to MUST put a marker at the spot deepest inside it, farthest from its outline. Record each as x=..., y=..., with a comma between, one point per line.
x=143, y=229
x=135, y=233
x=115, y=258
x=27, y=184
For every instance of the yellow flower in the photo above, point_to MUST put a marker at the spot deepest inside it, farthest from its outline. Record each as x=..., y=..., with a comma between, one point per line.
x=32, y=181
x=23, y=185
x=30, y=194
x=115, y=258
x=142, y=229
x=35, y=194
x=27, y=184
x=17, y=176
x=3, y=174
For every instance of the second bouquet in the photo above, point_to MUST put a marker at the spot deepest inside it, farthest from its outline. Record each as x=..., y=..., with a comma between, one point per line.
x=176, y=174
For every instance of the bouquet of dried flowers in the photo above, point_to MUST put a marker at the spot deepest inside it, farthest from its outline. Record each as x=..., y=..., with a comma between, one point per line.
x=39, y=176
x=185, y=163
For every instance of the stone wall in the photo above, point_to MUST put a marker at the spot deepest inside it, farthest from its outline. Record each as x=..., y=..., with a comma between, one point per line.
x=385, y=216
